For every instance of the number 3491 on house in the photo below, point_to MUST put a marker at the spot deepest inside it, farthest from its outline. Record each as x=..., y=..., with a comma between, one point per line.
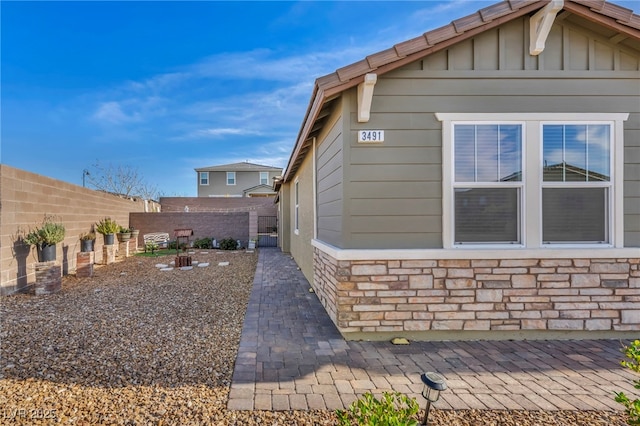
x=370, y=136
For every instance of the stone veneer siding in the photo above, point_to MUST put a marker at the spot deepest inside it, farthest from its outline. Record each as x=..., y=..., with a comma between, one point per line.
x=479, y=295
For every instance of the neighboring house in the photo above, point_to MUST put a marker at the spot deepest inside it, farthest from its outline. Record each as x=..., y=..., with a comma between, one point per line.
x=237, y=180
x=479, y=181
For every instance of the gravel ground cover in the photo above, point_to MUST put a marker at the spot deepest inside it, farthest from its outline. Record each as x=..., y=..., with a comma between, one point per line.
x=138, y=346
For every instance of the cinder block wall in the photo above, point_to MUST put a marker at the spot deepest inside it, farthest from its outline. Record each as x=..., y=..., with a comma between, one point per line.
x=264, y=206
x=204, y=224
x=26, y=197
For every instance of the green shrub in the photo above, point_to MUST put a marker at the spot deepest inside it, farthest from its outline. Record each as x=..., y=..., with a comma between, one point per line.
x=48, y=233
x=394, y=409
x=172, y=245
x=107, y=226
x=632, y=408
x=228, y=244
x=202, y=243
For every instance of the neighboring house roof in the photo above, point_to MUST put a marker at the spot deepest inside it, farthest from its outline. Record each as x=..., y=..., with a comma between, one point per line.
x=328, y=88
x=238, y=167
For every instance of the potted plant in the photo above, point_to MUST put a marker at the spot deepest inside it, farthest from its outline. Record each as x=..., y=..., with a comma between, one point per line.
x=108, y=228
x=124, y=234
x=45, y=237
x=87, y=242
x=134, y=233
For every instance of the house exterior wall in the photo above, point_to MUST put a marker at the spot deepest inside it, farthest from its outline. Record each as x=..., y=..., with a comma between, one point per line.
x=218, y=183
x=392, y=195
x=26, y=197
x=389, y=275
x=330, y=187
x=301, y=248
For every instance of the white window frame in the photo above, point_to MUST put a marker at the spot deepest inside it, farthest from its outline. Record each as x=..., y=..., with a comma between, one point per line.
x=519, y=185
x=266, y=179
x=234, y=178
x=532, y=155
x=296, y=209
x=201, y=175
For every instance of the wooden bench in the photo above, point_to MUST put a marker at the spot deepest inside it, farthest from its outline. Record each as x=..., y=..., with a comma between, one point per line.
x=160, y=238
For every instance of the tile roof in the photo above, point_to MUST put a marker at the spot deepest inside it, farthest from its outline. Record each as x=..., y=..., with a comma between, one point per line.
x=238, y=167
x=329, y=86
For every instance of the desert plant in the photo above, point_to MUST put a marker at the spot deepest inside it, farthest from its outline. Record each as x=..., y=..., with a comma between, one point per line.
x=151, y=246
x=202, y=243
x=48, y=233
x=632, y=408
x=123, y=230
x=88, y=236
x=393, y=409
x=107, y=226
x=228, y=244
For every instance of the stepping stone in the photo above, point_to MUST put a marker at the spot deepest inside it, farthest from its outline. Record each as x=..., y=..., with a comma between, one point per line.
x=203, y=264
x=161, y=265
x=204, y=252
x=186, y=268
x=249, y=251
x=191, y=252
x=194, y=262
x=172, y=263
x=223, y=264
x=166, y=269
x=219, y=252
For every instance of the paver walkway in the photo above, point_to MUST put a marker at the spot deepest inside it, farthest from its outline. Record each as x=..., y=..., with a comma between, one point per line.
x=291, y=356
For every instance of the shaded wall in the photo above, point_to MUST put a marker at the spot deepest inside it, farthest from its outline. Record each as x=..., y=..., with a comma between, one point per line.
x=26, y=197
x=204, y=224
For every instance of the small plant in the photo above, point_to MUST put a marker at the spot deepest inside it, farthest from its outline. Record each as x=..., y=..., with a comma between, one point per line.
x=150, y=246
x=228, y=244
x=203, y=243
x=107, y=226
x=88, y=236
x=172, y=245
x=47, y=234
x=393, y=409
x=124, y=230
x=632, y=408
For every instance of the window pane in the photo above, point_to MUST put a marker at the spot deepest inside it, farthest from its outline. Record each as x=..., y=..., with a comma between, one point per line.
x=486, y=215
x=510, y=153
x=574, y=215
x=576, y=153
x=488, y=153
x=465, y=153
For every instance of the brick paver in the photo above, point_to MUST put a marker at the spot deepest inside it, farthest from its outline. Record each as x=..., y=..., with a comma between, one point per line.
x=291, y=356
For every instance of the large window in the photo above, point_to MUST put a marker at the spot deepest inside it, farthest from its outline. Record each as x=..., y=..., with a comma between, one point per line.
x=264, y=178
x=576, y=182
x=487, y=183
x=204, y=178
x=231, y=178
x=532, y=180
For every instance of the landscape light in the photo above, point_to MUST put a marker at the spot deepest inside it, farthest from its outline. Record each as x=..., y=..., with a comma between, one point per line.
x=434, y=383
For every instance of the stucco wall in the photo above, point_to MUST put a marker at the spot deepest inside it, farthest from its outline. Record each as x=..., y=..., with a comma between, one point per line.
x=26, y=197
x=301, y=248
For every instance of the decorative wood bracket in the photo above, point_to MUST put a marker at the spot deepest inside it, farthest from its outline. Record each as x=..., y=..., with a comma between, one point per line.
x=540, y=25
x=365, y=96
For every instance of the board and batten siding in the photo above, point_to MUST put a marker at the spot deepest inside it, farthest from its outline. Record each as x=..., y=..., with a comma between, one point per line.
x=329, y=178
x=393, y=195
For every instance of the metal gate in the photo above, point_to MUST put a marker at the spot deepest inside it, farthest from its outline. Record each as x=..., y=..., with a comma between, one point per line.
x=267, y=231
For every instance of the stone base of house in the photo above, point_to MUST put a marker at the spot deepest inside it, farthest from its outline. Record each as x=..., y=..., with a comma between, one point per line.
x=447, y=299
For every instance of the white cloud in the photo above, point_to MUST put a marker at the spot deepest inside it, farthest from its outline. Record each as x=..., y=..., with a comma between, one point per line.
x=220, y=132
x=111, y=112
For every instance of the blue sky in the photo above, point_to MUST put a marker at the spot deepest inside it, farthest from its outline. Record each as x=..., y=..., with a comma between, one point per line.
x=166, y=87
